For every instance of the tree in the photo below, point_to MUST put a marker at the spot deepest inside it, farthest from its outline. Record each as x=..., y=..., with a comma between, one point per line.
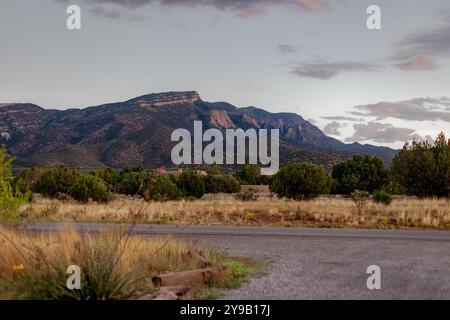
x=5, y=164
x=363, y=173
x=10, y=197
x=423, y=169
x=250, y=174
x=30, y=176
x=136, y=182
x=441, y=155
x=300, y=181
x=191, y=183
x=165, y=189
x=54, y=181
x=87, y=187
x=109, y=176
x=221, y=183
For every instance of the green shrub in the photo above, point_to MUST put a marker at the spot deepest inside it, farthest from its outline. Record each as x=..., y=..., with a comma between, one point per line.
x=382, y=197
x=250, y=174
x=129, y=183
x=300, y=181
x=86, y=187
x=30, y=176
x=191, y=183
x=21, y=187
x=165, y=189
x=221, y=183
x=110, y=177
x=136, y=182
x=54, y=181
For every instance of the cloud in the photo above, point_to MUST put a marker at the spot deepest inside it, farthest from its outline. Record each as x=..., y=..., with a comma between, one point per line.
x=444, y=16
x=333, y=128
x=382, y=133
x=419, y=109
x=328, y=70
x=106, y=13
x=286, y=48
x=417, y=51
x=115, y=14
x=242, y=7
x=341, y=118
x=419, y=62
x=432, y=43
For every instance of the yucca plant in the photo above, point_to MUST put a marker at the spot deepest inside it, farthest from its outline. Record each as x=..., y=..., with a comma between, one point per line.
x=104, y=275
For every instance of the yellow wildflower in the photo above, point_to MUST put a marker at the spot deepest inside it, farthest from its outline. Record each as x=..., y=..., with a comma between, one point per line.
x=249, y=216
x=18, y=268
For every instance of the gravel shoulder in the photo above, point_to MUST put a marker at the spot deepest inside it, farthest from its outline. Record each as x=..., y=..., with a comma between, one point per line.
x=321, y=268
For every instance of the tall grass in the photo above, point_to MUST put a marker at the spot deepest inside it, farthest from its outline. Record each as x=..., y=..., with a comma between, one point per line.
x=321, y=212
x=114, y=264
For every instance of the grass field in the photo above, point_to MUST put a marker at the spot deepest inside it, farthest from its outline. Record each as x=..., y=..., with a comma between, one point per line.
x=326, y=212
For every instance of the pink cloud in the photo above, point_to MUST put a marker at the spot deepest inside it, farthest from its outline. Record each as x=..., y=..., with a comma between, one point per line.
x=245, y=8
x=419, y=62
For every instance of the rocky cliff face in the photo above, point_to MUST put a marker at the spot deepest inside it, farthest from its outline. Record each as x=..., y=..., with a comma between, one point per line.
x=138, y=131
x=167, y=99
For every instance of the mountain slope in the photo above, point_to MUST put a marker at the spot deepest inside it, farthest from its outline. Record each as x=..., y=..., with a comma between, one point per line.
x=138, y=131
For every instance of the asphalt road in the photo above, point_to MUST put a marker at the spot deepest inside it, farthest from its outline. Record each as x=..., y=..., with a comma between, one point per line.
x=324, y=263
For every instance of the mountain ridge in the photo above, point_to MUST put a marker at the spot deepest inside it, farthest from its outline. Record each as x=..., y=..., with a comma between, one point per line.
x=137, y=132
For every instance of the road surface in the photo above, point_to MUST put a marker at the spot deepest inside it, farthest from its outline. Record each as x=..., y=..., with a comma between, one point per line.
x=323, y=263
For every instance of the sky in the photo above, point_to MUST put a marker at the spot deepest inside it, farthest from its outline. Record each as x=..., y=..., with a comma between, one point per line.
x=316, y=58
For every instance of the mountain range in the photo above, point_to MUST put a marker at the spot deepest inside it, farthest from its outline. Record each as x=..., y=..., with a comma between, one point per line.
x=138, y=131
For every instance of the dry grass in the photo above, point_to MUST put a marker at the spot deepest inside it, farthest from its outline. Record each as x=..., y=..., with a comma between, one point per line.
x=224, y=210
x=114, y=265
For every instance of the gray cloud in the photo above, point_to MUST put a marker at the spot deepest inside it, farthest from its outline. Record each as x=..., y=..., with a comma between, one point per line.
x=243, y=7
x=432, y=43
x=328, y=70
x=341, y=118
x=114, y=14
x=444, y=15
x=106, y=13
x=417, y=51
x=382, y=133
x=333, y=128
x=419, y=109
x=286, y=48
